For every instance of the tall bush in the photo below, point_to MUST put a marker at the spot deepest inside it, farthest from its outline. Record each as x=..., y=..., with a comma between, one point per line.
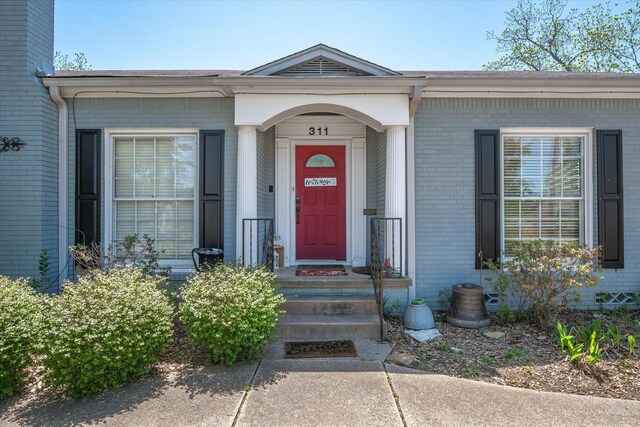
x=231, y=310
x=543, y=277
x=106, y=330
x=19, y=320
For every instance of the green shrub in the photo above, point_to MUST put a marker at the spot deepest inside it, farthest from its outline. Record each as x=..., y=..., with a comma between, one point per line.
x=132, y=250
x=542, y=277
x=19, y=319
x=582, y=343
x=106, y=330
x=514, y=353
x=231, y=310
x=504, y=315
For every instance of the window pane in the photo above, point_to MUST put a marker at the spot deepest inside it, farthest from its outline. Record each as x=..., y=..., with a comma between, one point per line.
x=550, y=229
x=125, y=224
x=539, y=173
x=167, y=249
x=165, y=147
x=530, y=147
x=570, y=209
x=123, y=187
x=185, y=220
x=185, y=168
x=144, y=147
x=572, y=147
x=146, y=218
x=184, y=249
x=124, y=147
x=165, y=177
x=570, y=229
x=511, y=147
x=571, y=187
x=572, y=167
x=530, y=210
x=144, y=177
x=123, y=167
x=550, y=208
x=161, y=169
x=320, y=161
x=166, y=220
x=551, y=147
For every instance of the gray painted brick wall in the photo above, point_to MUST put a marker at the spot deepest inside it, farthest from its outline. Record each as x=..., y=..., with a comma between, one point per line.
x=201, y=113
x=445, y=181
x=28, y=201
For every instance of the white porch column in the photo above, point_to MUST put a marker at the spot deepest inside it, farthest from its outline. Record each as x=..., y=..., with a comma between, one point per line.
x=395, y=203
x=247, y=194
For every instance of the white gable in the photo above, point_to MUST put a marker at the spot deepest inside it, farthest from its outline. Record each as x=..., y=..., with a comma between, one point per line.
x=321, y=61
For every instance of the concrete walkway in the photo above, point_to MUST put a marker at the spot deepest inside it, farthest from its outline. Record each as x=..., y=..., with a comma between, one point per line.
x=317, y=392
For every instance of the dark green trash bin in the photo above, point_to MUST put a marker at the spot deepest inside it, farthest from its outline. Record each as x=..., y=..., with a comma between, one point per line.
x=207, y=257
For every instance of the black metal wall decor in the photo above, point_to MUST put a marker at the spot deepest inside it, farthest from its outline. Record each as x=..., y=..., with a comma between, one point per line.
x=10, y=144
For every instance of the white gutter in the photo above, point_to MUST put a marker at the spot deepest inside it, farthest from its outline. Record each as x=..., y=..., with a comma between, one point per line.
x=414, y=103
x=63, y=179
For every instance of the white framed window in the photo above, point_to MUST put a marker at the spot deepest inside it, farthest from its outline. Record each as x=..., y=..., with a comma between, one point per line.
x=546, y=186
x=151, y=189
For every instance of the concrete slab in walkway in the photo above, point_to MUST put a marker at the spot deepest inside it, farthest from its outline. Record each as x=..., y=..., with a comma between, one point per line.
x=320, y=392
x=437, y=400
x=204, y=397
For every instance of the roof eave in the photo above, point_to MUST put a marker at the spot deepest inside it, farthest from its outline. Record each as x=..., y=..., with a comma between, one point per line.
x=433, y=86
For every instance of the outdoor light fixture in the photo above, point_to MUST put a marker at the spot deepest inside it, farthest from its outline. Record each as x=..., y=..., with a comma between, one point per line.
x=13, y=144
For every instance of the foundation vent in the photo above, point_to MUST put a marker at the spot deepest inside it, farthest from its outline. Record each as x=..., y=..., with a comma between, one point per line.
x=615, y=297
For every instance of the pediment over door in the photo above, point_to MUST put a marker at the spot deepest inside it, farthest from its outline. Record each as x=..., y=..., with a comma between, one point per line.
x=321, y=61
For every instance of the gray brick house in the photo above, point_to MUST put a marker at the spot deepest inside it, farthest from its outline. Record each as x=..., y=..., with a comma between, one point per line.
x=319, y=141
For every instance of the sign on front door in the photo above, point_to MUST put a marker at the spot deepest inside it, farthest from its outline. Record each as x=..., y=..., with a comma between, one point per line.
x=320, y=182
x=320, y=203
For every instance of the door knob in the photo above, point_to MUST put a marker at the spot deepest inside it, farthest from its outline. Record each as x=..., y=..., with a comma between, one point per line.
x=298, y=200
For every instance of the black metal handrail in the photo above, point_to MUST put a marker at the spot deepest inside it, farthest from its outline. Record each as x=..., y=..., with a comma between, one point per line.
x=260, y=233
x=377, y=275
x=386, y=258
x=390, y=244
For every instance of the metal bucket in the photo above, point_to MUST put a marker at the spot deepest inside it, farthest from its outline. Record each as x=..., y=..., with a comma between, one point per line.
x=467, y=308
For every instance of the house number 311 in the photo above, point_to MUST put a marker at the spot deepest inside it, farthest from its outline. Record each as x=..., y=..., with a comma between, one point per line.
x=318, y=131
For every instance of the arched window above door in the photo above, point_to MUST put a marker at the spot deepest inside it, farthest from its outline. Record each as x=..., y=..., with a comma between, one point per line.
x=320, y=161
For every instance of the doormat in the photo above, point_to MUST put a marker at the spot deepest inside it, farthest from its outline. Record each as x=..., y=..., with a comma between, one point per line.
x=299, y=350
x=321, y=270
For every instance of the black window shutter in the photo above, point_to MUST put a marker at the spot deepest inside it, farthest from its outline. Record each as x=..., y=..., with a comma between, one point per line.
x=610, y=200
x=487, y=195
x=88, y=186
x=211, y=189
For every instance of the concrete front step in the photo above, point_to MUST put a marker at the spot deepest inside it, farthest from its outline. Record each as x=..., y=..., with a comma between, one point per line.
x=330, y=304
x=362, y=282
x=328, y=327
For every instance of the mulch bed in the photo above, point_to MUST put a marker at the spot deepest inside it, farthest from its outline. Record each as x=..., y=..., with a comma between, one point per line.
x=180, y=354
x=525, y=356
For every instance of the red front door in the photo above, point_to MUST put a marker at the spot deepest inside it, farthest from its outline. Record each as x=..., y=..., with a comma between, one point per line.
x=321, y=231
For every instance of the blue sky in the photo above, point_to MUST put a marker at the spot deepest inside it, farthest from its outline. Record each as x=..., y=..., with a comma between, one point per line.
x=185, y=34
